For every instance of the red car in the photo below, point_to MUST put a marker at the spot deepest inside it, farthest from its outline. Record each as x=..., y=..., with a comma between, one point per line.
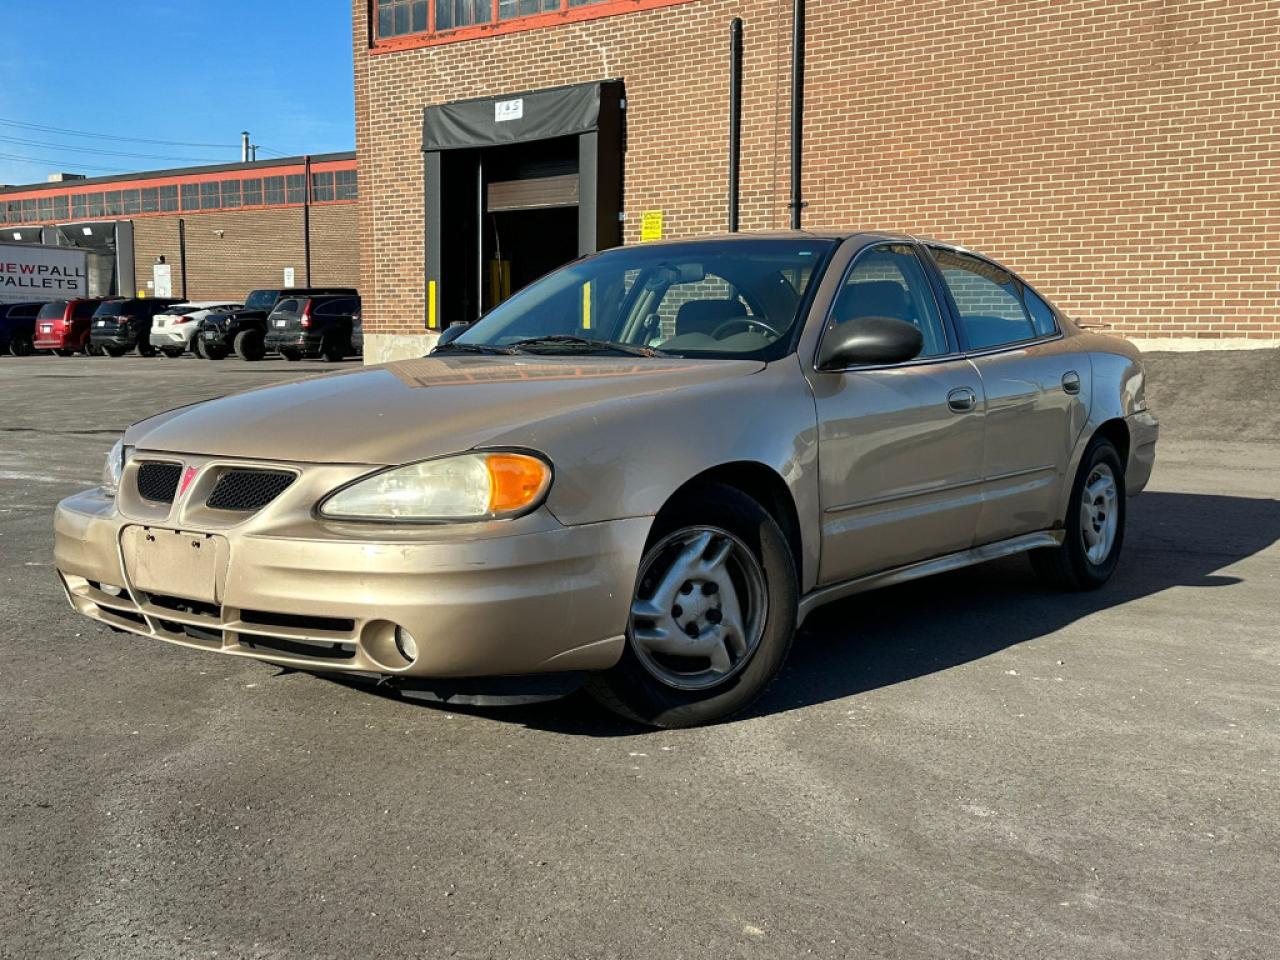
x=63, y=326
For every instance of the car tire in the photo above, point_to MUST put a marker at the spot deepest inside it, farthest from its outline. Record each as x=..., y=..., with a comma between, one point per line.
x=113, y=351
x=20, y=345
x=754, y=575
x=146, y=350
x=331, y=348
x=1090, y=551
x=248, y=345
x=63, y=352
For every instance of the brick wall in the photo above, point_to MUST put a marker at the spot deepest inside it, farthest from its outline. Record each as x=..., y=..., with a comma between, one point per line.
x=1124, y=157
x=252, y=251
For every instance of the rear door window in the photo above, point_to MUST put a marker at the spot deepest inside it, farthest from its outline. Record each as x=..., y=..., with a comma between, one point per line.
x=988, y=300
x=53, y=311
x=288, y=306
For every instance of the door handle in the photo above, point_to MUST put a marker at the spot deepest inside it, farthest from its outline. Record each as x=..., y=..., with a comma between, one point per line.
x=962, y=400
x=1071, y=382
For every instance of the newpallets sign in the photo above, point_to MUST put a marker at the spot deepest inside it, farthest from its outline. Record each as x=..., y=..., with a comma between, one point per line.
x=30, y=271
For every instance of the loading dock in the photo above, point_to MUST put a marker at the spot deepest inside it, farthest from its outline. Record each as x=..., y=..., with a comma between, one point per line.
x=514, y=186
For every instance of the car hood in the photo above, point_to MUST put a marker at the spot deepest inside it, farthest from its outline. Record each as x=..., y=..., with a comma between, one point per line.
x=413, y=409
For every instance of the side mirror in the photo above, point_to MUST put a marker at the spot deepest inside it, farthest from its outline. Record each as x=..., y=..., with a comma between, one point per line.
x=870, y=340
x=452, y=333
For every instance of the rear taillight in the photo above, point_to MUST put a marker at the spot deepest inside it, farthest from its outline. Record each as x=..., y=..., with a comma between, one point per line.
x=306, y=315
x=186, y=319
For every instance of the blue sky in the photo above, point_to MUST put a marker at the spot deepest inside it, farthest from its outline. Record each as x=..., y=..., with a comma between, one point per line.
x=196, y=71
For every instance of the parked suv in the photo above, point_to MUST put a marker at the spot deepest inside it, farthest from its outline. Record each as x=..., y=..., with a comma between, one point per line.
x=121, y=325
x=173, y=330
x=63, y=325
x=17, y=327
x=245, y=331
x=317, y=326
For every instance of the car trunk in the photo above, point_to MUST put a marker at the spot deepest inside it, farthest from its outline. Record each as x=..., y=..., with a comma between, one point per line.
x=289, y=318
x=50, y=321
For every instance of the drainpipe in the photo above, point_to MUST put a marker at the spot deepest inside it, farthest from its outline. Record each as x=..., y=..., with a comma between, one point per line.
x=306, y=217
x=735, y=119
x=182, y=253
x=797, y=203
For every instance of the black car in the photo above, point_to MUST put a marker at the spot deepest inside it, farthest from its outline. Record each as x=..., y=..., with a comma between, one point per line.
x=120, y=325
x=245, y=331
x=313, y=326
x=357, y=333
x=18, y=327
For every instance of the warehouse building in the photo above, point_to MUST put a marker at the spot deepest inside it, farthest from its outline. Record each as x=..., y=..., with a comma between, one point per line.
x=204, y=233
x=1123, y=157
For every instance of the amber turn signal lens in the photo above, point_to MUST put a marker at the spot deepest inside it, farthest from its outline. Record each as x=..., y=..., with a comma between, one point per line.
x=515, y=481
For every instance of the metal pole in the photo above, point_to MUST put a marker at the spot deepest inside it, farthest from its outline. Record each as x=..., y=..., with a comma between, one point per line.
x=735, y=118
x=797, y=110
x=244, y=146
x=306, y=217
x=182, y=253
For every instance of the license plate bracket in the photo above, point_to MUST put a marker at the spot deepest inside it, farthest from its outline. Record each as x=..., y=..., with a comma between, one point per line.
x=175, y=562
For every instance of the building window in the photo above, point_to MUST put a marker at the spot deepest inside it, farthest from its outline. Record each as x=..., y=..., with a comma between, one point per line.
x=150, y=200
x=321, y=187
x=79, y=206
x=395, y=19
x=114, y=205
x=44, y=208
x=273, y=190
x=168, y=199
x=230, y=194
x=297, y=188
x=60, y=207
x=190, y=196
x=252, y=192
x=209, y=196
x=14, y=214
x=95, y=205
x=345, y=185
x=132, y=201
x=28, y=211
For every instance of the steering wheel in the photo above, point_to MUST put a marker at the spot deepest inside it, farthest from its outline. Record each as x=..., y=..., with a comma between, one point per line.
x=747, y=321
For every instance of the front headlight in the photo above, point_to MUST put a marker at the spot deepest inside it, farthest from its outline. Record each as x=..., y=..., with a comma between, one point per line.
x=114, y=467
x=470, y=486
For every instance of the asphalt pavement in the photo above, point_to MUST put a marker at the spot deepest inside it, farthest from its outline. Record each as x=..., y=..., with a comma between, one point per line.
x=969, y=766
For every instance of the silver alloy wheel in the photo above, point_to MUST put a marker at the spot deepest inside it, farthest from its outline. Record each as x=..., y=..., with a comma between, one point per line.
x=699, y=609
x=1099, y=514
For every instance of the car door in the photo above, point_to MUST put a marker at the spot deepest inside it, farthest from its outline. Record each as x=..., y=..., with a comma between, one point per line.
x=899, y=446
x=1036, y=388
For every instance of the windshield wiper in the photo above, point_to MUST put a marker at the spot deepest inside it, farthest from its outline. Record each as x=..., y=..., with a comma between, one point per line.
x=569, y=340
x=474, y=348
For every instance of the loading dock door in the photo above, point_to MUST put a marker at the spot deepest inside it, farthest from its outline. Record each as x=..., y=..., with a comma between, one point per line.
x=515, y=186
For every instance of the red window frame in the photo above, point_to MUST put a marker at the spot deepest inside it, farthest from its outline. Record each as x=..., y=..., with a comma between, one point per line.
x=496, y=27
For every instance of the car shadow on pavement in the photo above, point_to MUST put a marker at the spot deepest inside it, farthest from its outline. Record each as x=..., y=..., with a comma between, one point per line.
x=896, y=634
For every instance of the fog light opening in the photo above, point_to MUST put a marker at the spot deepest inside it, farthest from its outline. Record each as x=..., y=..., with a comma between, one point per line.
x=405, y=643
x=111, y=589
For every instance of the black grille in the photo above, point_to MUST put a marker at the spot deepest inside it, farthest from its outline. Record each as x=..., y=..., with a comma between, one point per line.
x=158, y=481
x=248, y=489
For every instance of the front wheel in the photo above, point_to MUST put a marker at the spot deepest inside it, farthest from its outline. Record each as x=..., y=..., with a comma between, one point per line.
x=249, y=346
x=712, y=617
x=21, y=346
x=1090, y=549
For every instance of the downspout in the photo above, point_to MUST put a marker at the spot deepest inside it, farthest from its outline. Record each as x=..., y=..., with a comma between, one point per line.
x=306, y=217
x=735, y=119
x=182, y=253
x=797, y=203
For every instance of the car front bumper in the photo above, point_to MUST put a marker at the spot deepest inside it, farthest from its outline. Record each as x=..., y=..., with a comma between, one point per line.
x=542, y=598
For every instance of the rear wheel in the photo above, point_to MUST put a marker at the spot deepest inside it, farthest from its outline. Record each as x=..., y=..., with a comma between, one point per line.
x=1095, y=524
x=332, y=349
x=713, y=613
x=20, y=345
x=146, y=350
x=248, y=345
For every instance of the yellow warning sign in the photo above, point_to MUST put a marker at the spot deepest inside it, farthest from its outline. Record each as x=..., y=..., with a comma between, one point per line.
x=651, y=225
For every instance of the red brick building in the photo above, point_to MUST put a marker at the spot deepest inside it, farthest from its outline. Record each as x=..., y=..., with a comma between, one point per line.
x=1125, y=157
x=221, y=230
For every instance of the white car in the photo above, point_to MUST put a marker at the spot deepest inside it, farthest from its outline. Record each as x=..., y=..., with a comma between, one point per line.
x=173, y=330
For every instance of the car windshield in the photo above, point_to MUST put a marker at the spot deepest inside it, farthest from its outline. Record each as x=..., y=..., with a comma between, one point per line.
x=736, y=298
x=260, y=300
